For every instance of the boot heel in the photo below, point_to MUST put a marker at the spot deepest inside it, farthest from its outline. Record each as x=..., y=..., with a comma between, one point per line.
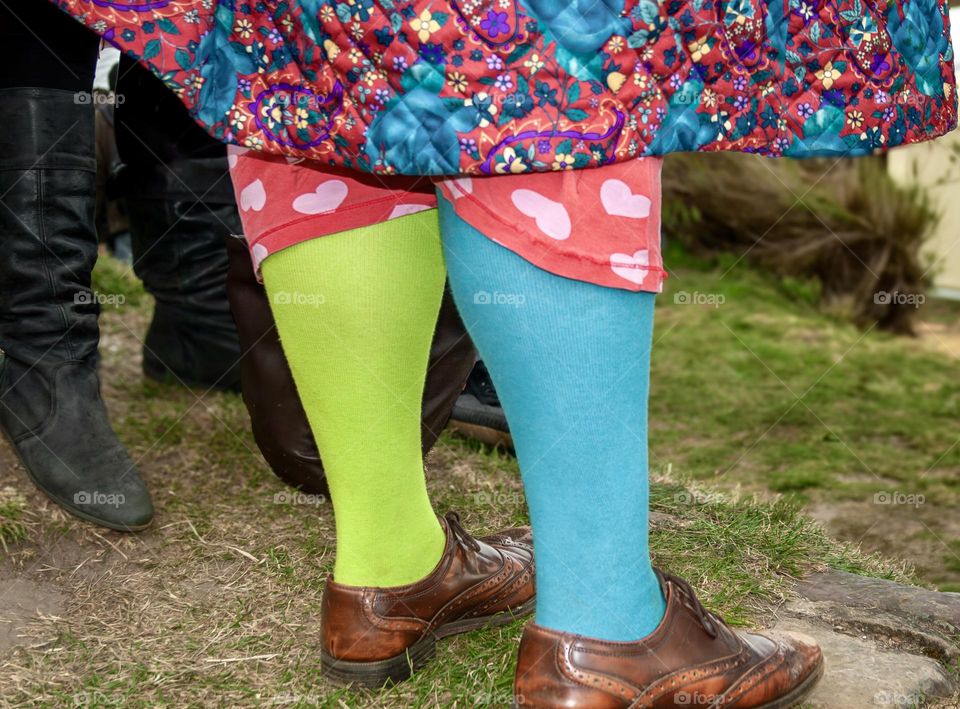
x=377, y=674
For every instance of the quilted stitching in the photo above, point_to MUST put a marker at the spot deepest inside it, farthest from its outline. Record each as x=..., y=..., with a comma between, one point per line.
x=507, y=86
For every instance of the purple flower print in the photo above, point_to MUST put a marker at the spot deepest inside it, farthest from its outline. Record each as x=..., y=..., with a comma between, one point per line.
x=495, y=24
x=494, y=62
x=543, y=146
x=805, y=110
x=740, y=83
x=503, y=82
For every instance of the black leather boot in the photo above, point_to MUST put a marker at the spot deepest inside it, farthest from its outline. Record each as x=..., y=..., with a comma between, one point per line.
x=180, y=206
x=50, y=404
x=179, y=214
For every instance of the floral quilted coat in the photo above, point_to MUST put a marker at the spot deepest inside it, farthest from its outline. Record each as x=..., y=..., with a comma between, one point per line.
x=437, y=87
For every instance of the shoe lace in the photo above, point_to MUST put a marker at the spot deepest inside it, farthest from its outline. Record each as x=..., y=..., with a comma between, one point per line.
x=463, y=537
x=689, y=599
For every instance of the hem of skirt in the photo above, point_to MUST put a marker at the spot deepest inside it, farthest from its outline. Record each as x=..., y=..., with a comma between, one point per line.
x=600, y=274
x=547, y=256
x=320, y=225
x=340, y=211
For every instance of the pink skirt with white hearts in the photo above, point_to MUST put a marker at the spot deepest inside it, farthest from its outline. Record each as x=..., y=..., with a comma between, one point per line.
x=601, y=225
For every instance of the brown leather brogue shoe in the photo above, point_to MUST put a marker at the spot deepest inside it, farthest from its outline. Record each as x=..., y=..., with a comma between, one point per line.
x=375, y=635
x=692, y=659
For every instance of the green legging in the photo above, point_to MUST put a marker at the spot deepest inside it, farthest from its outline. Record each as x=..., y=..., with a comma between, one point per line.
x=356, y=312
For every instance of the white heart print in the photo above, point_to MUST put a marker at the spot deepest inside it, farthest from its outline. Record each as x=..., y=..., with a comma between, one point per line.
x=460, y=186
x=619, y=201
x=258, y=253
x=233, y=153
x=552, y=217
x=402, y=210
x=325, y=198
x=631, y=267
x=253, y=196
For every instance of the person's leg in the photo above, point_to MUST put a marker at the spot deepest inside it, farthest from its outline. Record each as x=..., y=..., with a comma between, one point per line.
x=356, y=312
x=175, y=188
x=279, y=424
x=50, y=403
x=570, y=358
x=355, y=293
x=571, y=364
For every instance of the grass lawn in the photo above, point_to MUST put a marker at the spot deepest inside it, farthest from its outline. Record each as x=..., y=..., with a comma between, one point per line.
x=756, y=389
x=218, y=603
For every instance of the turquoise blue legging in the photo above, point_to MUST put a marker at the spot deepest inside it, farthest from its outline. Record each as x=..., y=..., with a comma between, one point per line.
x=571, y=363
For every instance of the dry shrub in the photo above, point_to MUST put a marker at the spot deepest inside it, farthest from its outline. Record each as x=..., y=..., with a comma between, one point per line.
x=843, y=222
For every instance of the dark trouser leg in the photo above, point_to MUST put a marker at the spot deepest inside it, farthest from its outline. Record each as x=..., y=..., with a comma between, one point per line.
x=452, y=357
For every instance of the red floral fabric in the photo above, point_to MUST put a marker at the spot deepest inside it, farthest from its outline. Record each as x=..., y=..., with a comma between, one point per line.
x=510, y=86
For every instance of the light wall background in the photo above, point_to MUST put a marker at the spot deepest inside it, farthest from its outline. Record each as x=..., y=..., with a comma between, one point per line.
x=936, y=165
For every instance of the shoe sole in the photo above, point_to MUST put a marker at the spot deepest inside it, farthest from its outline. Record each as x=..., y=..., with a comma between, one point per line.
x=85, y=516
x=795, y=697
x=468, y=409
x=396, y=669
x=488, y=436
x=799, y=692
